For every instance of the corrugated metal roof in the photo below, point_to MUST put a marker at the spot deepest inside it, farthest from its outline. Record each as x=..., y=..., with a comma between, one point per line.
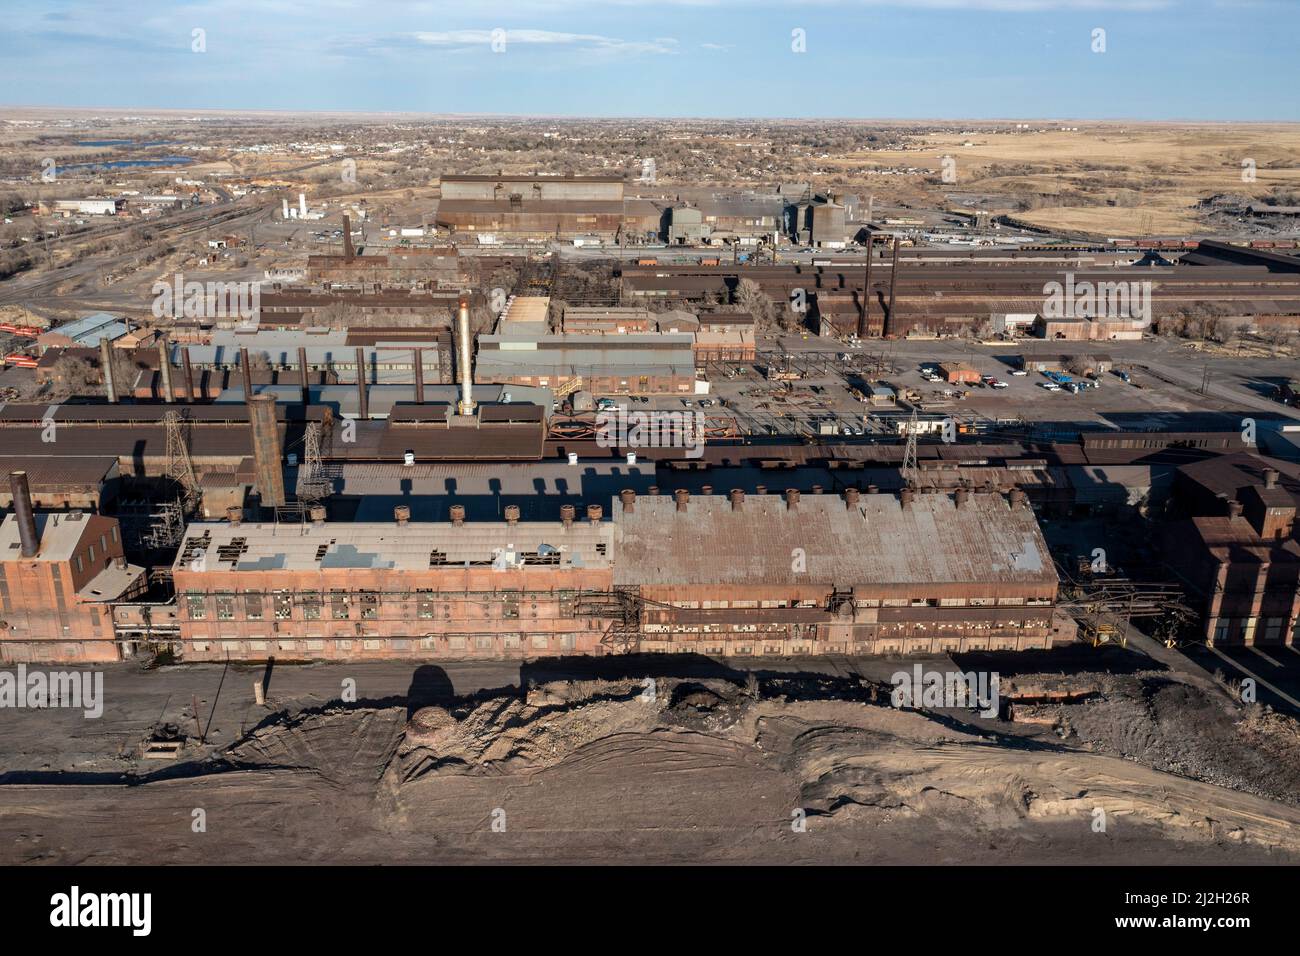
x=878, y=542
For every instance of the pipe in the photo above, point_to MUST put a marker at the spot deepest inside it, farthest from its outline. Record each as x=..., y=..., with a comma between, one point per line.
x=419, y=376
x=165, y=366
x=466, y=388
x=262, y=419
x=106, y=368
x=363, y=405
x=189, y=373
x=22, y=496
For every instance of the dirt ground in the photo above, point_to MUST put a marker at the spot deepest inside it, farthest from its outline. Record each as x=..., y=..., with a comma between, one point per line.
x=1142, y=768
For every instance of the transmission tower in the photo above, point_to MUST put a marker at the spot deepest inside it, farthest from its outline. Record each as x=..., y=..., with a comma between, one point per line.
x=179, y=466
x=314, y=485
x=911, y=478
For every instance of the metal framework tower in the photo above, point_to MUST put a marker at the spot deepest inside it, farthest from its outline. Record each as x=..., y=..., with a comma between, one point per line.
x=179, y=466
x=314, y=485
x=911, y=477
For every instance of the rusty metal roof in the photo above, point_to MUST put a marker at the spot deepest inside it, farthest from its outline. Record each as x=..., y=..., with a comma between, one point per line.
x=932, y=541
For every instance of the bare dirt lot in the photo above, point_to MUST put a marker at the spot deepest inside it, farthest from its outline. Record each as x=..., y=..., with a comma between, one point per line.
x=1147, y=766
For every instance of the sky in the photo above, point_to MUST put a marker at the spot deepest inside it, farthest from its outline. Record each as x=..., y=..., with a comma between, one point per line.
x=877, y=59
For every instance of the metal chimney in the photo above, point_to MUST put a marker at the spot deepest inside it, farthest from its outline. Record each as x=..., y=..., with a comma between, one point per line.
x=457, y=515
x=165, y=366
x=363, y=406
x=737, y=497
x=890, y=326
x=628, y=497
x=792, y=499
x=567, y=513
x=189, y=373
x=681, y=496
x=864, y=319
x=905, y=497
x=106, y=367
x=1270, y=477
x=303, y=385
x=402, y=515
x=266, y=449
x=850, y=498
x=595, y=513
x=22, y=496
x=512, y=514
x=466, y=378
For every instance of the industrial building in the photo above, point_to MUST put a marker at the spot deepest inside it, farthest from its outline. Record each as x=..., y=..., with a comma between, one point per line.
x=635, y=363
x=1237, y=551
x=531, y=207
x=879, y=574
x=59, y=575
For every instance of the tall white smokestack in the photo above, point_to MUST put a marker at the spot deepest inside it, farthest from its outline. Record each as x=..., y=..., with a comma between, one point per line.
x=466, y=395
x=302, y=205
x=284, y=212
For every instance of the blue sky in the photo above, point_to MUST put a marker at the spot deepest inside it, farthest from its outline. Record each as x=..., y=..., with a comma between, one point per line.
x=1163, y=59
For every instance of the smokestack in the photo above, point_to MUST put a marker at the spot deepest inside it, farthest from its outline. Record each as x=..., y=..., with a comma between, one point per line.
x=266, y=449
x=681, y=496
x=22, y=496
x=165, y=366
x=865, y=317
x=402, y=515
x=302, y=205
x=567, y=513
x=595, y=513
x=905, y=497
x=246, y=371
x=890, y=325
x=106, y=365
x=234, y=515
x=284, y=209
x=466, y=379
x=303, y=384
x=418, y=368
x=1270, y=477
x=457, y=515
x=317, y=514
x=850, y=498
x=628, y=497
x=189, y=373
x=791, y=499
x=512, y=514
x=737, y=497
x=363, y=407
x=348, y=254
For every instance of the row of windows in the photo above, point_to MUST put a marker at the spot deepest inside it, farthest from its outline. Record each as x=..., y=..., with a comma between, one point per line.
x=454, y=642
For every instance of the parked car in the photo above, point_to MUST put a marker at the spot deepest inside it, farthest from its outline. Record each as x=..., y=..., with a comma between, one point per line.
x=1018, y=371
x=997, y=383
x=1050, y=386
